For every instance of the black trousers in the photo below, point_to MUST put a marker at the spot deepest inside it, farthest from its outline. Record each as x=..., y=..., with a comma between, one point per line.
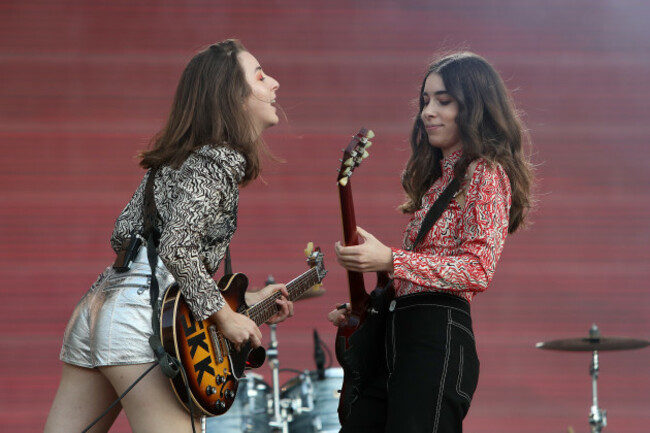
x=430, y=369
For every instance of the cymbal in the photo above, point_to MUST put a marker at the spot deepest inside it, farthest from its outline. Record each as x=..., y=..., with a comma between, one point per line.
x=595, y=343
x=312, y=293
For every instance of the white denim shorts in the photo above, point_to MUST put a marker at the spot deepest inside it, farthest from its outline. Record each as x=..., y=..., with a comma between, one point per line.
x=111, y=324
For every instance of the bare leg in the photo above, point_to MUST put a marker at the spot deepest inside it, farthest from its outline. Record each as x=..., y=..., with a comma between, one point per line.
x=83, y=394
x=151, y=406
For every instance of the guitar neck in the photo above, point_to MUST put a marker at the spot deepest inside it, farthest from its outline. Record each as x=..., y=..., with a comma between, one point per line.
x=351, y=237
x=265, y=309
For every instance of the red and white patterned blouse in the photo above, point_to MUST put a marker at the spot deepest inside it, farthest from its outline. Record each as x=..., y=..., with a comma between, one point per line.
x=460, y=252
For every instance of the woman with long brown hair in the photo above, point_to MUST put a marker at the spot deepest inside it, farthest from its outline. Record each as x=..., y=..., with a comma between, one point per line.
x=209, y=147
x=467, y=130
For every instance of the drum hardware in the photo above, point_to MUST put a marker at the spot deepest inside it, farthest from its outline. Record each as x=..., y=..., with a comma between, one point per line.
x=283, y=409
x=594, y=343
x=316, y=401
x=279, y=421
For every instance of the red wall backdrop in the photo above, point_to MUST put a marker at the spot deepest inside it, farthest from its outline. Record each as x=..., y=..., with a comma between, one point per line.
x=86, y=83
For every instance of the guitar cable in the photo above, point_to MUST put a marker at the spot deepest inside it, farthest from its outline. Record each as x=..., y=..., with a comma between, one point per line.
x=118, y=399
x=181, y=370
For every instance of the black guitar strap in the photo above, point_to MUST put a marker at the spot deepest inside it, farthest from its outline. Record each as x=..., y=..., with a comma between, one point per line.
x=169, y=365
x=227, y=268
x=436, y=210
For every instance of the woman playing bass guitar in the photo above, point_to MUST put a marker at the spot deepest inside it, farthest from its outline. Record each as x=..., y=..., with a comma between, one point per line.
x=468, y=129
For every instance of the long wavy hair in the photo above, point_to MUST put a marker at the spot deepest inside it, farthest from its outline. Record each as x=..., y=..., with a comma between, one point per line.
x=208, y=109
x=489, y=128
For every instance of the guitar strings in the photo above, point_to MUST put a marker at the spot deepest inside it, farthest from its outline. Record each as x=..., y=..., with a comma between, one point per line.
x=268, y=305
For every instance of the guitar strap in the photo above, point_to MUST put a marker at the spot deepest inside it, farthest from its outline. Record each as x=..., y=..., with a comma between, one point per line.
x=169, y=365
x=227, y=268
x=436, y=210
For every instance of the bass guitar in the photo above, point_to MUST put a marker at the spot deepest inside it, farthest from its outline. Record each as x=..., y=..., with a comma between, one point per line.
x=358, y=341
x=212, y=364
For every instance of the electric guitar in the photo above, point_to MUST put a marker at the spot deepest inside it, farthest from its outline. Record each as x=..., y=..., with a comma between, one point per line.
x=358, y=341
x=212, y=364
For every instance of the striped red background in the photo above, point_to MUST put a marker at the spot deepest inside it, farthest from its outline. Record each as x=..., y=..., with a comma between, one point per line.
x=86, y=83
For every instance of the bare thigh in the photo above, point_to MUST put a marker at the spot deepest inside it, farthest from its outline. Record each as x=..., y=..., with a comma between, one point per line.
x=83, y=394
x=151, y=406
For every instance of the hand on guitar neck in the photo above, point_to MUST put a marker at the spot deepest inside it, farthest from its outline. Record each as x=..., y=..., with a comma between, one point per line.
x=285, y=307
x=370, y=255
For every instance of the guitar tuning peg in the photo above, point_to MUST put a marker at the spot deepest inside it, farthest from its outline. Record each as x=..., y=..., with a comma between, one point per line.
x=368, y=144
x=343, y=181
x=348, y=162
x=365, y=155
x=309, y=249
x=370, y=134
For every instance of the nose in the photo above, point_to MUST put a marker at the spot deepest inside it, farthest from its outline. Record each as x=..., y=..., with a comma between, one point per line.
x=429, y=111
x=275, y=85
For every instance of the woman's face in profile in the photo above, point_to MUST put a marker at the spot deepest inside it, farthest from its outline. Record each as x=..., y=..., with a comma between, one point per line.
x=260, y=103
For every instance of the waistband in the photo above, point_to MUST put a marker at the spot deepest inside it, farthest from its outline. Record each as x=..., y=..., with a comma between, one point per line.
x=432, y=299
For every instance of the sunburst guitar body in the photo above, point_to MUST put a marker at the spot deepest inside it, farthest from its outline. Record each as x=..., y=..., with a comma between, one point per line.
x=212, y=364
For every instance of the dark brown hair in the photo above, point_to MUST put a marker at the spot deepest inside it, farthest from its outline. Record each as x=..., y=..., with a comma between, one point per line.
x=208, y=109
x=489, y=128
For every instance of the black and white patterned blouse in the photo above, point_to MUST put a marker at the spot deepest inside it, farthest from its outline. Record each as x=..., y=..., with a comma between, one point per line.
x=197, y=205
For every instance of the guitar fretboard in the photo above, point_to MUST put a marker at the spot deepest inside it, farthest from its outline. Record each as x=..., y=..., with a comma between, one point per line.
x=263, y=310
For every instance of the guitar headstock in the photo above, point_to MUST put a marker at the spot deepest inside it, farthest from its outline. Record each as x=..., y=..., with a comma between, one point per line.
x=315, y=260
x=354, y=154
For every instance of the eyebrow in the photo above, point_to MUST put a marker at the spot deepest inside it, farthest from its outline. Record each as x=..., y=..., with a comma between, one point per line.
x=439, y=92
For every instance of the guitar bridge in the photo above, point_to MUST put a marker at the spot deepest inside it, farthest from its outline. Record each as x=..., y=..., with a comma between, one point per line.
x=216, y=342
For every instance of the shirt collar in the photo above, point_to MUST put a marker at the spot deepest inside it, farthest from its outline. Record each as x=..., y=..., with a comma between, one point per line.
x=450, y=161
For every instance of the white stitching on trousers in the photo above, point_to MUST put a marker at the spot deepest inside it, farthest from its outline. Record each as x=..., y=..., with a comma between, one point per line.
x=443, y=378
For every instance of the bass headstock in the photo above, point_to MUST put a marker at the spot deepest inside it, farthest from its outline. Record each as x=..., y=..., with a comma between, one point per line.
x=354, y=154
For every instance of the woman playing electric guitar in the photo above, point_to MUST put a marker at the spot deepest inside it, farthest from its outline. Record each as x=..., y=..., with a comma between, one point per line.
x=209, y=147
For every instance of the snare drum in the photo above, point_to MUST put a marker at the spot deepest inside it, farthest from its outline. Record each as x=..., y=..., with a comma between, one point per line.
x=320, y=401
x=249, y=411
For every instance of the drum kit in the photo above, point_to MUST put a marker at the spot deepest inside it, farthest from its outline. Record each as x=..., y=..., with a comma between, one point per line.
x=306, y=403
x=595, y=343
